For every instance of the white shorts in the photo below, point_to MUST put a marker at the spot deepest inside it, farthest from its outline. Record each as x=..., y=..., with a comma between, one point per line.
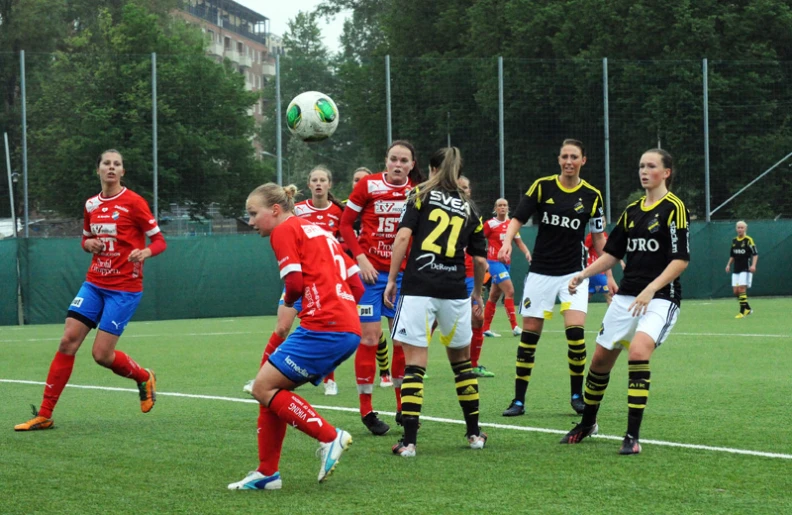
x=619, y=325
x=415, y=317
x=742, y=279
x=540, y=292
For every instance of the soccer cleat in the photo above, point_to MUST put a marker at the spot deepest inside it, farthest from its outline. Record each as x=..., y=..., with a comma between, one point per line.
x=35, y=423
x=148, y=392
x=248, y=388
x=405, y=451
x=477, y=441
x=515, y=408
x=630, y=445
x=577, y=403
x=331, y=452
x=385, y=380
x=739, y=315
x=331, y=388
x=747, y=312
x=491, y=334
x=516, y=331
x=481, y=371
x=375, y=425
x=257, y=481
x=579, y=432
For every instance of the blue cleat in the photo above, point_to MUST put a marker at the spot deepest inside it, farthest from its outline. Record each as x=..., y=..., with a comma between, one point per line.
x=257, y=481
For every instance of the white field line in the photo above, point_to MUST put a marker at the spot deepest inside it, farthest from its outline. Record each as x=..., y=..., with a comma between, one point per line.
x=237, y=333
x=728, y=450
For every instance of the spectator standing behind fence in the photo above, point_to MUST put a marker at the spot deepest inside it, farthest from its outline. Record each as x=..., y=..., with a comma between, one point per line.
x=564, y=204
x=744, y=255
x=653, y=234
x=310, y=261
x=324, y=210
x=115, y=225
x=495, y=233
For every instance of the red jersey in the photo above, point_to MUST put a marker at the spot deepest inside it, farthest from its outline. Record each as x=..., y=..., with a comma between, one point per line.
x=328, y=218
x=380, y=205
x=589, y=244
x=121, y=223
x=327, y=301
x=468, y=265
x=495, y=232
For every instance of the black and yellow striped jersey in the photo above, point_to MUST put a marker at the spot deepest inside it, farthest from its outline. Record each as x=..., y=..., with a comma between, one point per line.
x=562, y=215
x=649, y=238
x=742, y=250
x=444, y=226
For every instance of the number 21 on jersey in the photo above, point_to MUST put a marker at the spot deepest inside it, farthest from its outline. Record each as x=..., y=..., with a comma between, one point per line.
x=445, y=223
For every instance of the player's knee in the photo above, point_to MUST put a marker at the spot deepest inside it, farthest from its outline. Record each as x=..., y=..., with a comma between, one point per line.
x=69, y=344
x=282, y=330
x=103, y=356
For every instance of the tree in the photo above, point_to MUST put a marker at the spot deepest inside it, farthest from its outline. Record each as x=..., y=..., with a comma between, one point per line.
x=96, y=94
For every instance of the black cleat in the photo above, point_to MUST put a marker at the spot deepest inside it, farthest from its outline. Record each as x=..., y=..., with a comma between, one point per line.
x=630, y=445
x=579, y=432
x=577, y=403
x=516, y=408
x=375, y=425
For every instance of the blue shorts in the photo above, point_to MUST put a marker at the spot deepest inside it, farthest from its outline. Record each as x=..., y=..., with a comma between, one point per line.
x=110, y=310
x=297, y=303
x=469, y=284
x=371, y=307
x=598, y=284
x=308, y=356
x=498, y=271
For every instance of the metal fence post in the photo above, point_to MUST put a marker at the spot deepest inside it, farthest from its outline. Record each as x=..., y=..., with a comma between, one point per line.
x=704, y=72
x=388, y=100
x=279, y=127
x=606, y=123
x=154, y=143
x=23, y=86
x=501, y=142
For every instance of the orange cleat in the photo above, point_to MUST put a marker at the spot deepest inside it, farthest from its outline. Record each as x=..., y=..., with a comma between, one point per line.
x=35, y=423
x=148, y=392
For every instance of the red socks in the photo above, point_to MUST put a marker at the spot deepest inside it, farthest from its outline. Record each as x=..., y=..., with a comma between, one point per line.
x=509, y=305
x=489, y=314
x=125, y=366
x=365, y=372
x=293, y=409
x=59, y=373
x=271, y=432
x=272, y=344
x=330, y=376
x=476, y=343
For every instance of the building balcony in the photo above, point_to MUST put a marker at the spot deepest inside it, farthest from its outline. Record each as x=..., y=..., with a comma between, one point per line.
x=268, y=69
x=215, y=48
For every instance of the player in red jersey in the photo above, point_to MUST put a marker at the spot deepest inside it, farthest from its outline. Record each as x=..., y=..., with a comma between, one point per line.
x=324, y=210
x=378, y=200
x=313, y=267
x=476, y=316
x=597, y=283
x=495, y=231
x=115, y=225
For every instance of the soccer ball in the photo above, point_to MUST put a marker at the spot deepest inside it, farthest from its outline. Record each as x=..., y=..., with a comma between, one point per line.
x=312, y=116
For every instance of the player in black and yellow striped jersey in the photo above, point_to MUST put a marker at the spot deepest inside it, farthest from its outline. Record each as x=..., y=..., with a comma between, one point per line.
x=652, y=234
x=744, y=255
x=563, y=206
x=443, y=225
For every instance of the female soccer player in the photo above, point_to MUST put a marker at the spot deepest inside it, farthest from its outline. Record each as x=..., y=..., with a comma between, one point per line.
x=383, y=360
x=310, y=260
x=495, y=231
x=378, y=200
x=442, y=224
x=115, y=225
x=743, y=249
x=563, y=203
x=477, y=315
x=653, y=234
x=324, y=210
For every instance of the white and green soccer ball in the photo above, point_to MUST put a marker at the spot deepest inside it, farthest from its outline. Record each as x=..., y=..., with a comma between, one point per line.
x=312, y=116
